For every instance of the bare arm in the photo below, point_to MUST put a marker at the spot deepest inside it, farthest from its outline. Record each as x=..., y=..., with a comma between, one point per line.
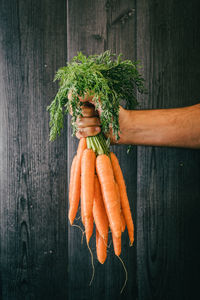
x=178, y=127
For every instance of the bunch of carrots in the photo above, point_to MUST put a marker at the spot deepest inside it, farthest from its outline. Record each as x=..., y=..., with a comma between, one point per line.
x=96, y=181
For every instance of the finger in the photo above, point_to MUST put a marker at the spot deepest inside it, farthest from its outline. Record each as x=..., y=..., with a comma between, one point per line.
x=93, y=106
x=89, y=111
x=89, y=99
x=88, y=131
x=87, y=122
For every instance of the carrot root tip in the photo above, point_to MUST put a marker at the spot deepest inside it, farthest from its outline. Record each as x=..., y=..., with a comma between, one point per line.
x=131, y=243
x=126, y=274
x=71, y=222
x=92, y=262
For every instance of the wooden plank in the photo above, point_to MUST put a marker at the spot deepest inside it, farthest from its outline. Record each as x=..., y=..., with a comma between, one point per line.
x=168, y=202
x=86, y=34
x=121, y=38
x=33, y=171
x=92, y=28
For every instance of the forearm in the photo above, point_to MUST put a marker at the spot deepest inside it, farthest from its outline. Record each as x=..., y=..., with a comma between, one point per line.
x=179, y=127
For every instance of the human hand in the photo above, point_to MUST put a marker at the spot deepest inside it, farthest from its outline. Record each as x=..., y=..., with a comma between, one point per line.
x=89, y=124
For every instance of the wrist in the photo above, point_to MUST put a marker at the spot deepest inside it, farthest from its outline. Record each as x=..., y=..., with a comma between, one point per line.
x=126, y=122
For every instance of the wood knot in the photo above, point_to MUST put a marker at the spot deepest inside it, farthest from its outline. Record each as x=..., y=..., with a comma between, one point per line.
x=97, y=37
x=22, y=202
x=123, y=17
x=108, y=4
x=127, y=16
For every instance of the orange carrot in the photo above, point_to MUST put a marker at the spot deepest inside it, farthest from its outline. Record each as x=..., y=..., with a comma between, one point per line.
x=87, y=189
x=72, y=171
x=123, y=224
x=101, y=247
x=89, y=221
x=116, y=244
x=75, y=193
x=82, y=215
x=117, y=241
x=107, y=181
x=99, y=212
x=123, y=195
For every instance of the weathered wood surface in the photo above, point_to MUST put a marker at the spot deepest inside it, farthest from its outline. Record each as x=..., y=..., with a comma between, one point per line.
x=92, y=28
x=168, y=202
x=41, y=257
x=33, y=44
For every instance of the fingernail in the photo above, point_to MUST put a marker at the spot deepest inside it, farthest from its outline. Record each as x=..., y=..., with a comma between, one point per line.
x=97, y=128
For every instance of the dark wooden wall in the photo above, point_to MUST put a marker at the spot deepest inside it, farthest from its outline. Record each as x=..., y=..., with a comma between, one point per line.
x=168, y=193
x=41, y=256
x=33, y=186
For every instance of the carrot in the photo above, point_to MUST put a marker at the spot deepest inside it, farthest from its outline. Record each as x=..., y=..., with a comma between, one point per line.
x=99, y=212
x=82, y=215
x=123, y=195
x=123, y=224
x=117, y=241
x=75, y=193
x=87, y=189
x=116, y=244
x=107, y=181
x=89, y=222
x=72, y=171
x=101, y=247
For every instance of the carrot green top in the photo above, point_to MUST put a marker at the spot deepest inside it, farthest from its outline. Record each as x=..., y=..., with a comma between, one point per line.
x=105, y=76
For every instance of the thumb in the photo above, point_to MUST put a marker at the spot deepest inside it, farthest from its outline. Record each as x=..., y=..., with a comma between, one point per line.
x=90, y=99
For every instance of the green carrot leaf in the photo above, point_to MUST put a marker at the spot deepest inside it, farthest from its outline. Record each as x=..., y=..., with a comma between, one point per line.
x=108, y=78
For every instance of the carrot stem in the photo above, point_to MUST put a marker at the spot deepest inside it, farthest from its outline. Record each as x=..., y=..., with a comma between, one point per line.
x=98, y=144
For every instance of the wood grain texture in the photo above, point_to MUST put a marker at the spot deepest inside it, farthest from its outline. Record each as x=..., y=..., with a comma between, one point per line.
x=41, y=257
x=33, y=171
x=93, y=27
x=168, y=200
x=86, y=34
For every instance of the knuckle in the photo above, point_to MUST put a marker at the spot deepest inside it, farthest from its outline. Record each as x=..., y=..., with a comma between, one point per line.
x=79, y=118
x=97, y=121
x=78, y=135
x=79, y=123
x=82, y=132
